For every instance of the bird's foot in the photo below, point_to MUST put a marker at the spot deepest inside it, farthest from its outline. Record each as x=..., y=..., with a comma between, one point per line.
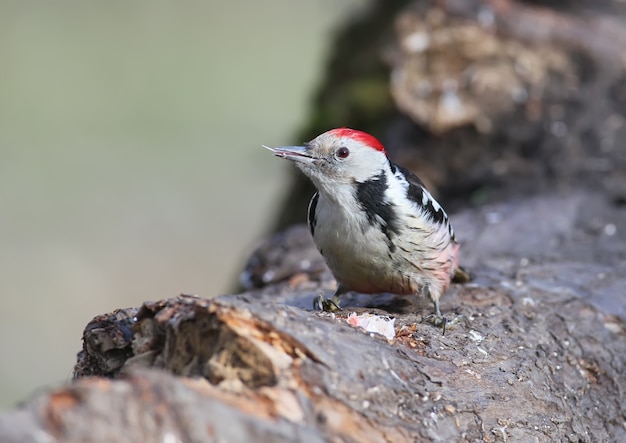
x=330, y=305
x=438, y=320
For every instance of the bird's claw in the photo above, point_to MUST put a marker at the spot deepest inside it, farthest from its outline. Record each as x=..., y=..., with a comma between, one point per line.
x=438, y=320
x=330, y=305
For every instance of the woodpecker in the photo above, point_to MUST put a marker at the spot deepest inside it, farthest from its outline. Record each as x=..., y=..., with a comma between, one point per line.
x=374, y=222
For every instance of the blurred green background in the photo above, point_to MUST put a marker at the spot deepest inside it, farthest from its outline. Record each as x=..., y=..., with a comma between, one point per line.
x=130, y=166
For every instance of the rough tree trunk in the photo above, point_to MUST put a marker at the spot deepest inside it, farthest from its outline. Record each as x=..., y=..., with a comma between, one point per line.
x=514, y=113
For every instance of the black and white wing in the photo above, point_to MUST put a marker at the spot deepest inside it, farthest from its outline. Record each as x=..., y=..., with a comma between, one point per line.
x=418, y=193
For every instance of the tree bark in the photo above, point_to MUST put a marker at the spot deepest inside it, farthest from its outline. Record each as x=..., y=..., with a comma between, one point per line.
x=541, y=357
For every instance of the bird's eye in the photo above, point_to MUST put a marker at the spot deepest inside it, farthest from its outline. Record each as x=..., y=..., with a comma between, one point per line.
x=343, y=152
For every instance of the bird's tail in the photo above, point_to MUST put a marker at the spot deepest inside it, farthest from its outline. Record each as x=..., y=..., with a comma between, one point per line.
x=461, y=275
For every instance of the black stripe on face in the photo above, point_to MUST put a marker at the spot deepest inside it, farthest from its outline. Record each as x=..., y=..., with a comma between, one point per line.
x=311, y=217
x=371, y=197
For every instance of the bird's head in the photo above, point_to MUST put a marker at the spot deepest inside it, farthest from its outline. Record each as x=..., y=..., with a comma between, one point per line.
x=338, y=156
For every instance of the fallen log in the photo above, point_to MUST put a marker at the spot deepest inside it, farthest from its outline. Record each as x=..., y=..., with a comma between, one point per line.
x=541, y=357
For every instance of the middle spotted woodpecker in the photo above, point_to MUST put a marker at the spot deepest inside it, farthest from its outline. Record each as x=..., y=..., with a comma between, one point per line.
x=374, y=222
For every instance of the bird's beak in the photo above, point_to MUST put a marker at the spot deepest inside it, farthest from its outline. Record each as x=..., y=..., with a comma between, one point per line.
x=295, y=153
